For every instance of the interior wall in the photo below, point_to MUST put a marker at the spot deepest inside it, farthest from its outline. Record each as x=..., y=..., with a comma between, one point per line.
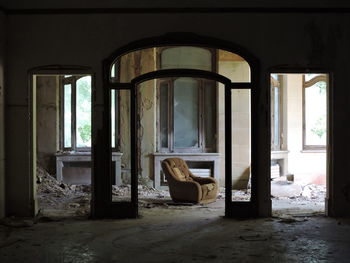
x=47, y=121
x=2, y=114
x=238, y=71
x=304, y=39
x=148, y=116
x=127, y=62
x=307, y=166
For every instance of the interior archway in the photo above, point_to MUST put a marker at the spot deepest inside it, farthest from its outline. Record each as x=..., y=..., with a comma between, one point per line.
x=125, y=70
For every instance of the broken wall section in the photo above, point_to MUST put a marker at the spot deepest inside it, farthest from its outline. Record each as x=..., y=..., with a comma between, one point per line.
x=2, y=115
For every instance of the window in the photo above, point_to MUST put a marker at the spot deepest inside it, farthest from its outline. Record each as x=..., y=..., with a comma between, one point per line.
x=76, y=113
x=276, y=113
x=115, y=120
x=314, y=111
x=187, y=115
x=187, y=106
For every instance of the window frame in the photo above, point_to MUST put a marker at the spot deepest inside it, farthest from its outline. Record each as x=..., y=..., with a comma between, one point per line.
x=116, y=79
x=279, y=84
x=170, y=119
x=307, y=84
x=71, y=80
x=201, y=112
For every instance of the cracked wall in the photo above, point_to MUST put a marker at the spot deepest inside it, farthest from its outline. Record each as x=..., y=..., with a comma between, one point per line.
x=133, y=65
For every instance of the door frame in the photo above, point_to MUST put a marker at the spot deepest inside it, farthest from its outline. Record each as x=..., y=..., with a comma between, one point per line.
x=330, y=191
x=102, y=205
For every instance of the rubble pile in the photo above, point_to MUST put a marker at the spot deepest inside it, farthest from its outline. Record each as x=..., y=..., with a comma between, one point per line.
x=237, y=195
x=75, y=199
x=314, y=192
x=59, y=199
x=55, y=195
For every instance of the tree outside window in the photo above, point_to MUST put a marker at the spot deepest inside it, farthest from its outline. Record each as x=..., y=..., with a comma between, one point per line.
x=76, y=113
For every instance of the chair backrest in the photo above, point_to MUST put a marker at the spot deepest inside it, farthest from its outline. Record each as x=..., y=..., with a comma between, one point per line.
x=177, y=169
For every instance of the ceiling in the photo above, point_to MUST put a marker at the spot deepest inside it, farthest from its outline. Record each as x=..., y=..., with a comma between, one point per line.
x=136, y=4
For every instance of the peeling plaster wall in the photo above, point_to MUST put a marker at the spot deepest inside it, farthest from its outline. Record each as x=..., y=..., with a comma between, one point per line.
x=130, y=61
x=148, y=117
x=298, y=39
x=2, y=114
x=47, y=121
x=139, y=63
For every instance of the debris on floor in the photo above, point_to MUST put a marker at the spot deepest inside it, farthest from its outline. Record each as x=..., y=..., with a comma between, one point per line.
x=57, y=199
x=60, y=200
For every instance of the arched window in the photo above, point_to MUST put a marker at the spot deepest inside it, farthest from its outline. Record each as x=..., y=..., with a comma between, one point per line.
x=200, y=102
x=136, y=63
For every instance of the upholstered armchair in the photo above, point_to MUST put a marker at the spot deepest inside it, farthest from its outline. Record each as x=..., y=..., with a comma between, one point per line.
x=184, y=186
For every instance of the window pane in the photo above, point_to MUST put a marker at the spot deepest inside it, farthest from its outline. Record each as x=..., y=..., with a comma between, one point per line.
x=113, y=120
x=209, y=114
x=113, y=71
x=276, y=111
x=186, y=57
x=316, y=114
x=164, y=114
x=67, y=122
x=83, y=112
x=186, y=130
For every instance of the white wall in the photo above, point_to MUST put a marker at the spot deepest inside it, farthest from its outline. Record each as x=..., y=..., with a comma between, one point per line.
x=307, y=166
x=305, y=40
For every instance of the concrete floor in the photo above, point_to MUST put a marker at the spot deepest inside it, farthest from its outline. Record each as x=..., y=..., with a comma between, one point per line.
x=179, y=234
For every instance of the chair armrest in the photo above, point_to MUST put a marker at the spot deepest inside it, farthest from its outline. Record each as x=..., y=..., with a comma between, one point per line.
x=204, y=180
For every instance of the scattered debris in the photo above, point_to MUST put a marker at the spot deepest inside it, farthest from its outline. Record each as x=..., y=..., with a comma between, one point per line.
x=59, y=200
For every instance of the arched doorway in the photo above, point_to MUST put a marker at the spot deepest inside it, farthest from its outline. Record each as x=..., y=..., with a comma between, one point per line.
x=184, y=46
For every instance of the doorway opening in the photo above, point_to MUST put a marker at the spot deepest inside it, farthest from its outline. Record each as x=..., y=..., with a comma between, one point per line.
x=185, y=102
x=299, y=143
x=61, y=136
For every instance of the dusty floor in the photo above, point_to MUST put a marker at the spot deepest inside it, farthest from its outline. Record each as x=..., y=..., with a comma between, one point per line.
x=176, y=234
x=173, y=233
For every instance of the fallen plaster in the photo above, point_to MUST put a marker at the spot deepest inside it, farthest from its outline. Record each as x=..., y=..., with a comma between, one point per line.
x=59, y=200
